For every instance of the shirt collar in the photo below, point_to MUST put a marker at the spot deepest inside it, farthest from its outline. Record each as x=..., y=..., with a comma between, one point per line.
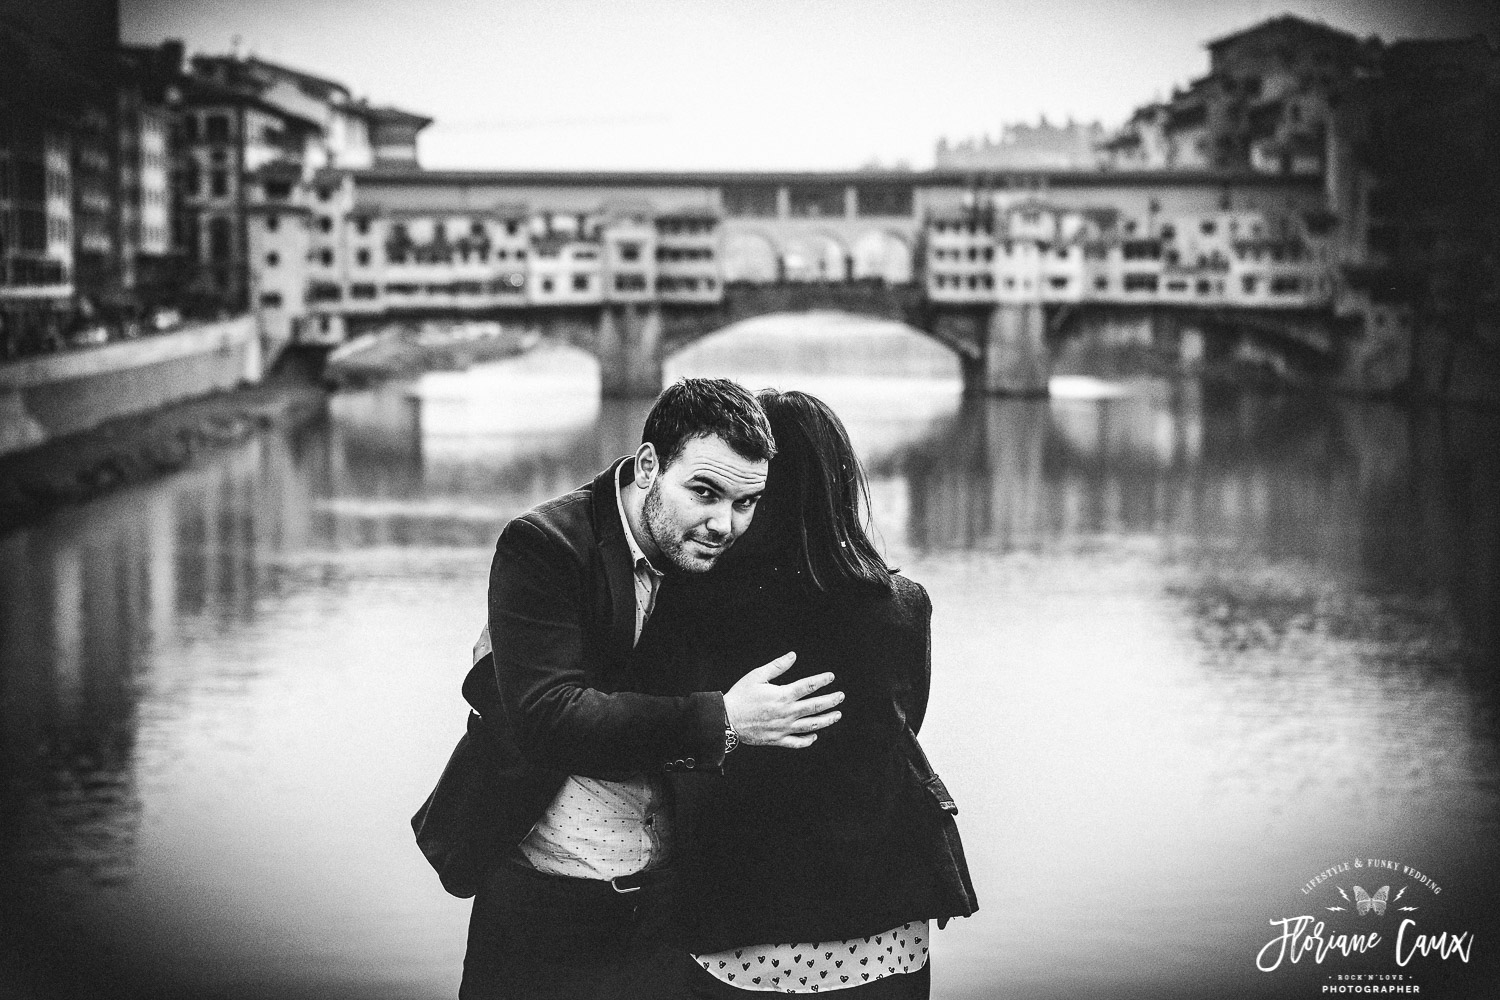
x=637, y=557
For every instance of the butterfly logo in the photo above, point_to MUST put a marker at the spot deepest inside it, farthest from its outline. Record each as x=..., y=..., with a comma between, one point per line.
x=1364, y=902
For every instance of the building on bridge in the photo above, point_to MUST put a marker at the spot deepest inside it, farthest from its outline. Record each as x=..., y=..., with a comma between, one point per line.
x=633, y=264
x=334, y=253
x=386, y=245
x=1036, y=251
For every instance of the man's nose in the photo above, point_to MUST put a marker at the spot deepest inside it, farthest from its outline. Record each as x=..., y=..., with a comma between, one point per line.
x=720, y=519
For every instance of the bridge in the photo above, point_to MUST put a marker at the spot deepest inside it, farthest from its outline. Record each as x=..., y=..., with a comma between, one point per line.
x=634, y=266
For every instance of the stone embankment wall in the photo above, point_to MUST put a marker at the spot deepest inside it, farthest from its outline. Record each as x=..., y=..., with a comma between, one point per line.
x=47, y=397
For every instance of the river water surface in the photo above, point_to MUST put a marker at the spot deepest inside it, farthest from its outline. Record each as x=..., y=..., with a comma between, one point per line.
x=1192, y=649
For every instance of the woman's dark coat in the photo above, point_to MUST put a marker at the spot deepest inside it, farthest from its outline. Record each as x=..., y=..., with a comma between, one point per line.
x=846, y=838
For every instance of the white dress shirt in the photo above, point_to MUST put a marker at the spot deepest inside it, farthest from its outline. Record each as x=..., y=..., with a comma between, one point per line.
x=603, y=829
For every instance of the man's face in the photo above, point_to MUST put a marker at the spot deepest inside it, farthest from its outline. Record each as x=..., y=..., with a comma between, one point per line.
x=696, y=507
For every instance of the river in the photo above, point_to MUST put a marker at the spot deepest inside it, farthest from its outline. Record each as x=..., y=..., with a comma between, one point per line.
x=1196, y=653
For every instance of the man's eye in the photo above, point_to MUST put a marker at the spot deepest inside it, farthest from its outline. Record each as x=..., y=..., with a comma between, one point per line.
x=704, y=492
x=747, y=504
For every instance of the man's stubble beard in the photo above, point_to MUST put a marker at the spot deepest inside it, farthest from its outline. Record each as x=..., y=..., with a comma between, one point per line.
x=669, y=543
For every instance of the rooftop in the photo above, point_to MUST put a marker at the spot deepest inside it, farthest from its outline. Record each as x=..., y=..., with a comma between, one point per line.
x=1286, y=22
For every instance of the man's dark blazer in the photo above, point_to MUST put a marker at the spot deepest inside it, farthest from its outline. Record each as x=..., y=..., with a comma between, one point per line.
x=559, y=695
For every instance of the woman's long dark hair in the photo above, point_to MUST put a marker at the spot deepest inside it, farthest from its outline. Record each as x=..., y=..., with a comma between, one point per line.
x=814, y=513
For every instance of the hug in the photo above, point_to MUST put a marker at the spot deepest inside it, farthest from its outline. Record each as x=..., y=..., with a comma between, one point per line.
x=691, y=766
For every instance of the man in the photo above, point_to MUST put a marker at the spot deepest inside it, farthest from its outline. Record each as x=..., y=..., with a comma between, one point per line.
x=570, y=903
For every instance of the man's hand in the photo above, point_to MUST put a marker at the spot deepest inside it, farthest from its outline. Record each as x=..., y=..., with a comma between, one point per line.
x=780, y=715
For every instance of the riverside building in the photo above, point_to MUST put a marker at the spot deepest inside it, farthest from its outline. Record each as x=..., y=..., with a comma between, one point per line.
x=1033, y=251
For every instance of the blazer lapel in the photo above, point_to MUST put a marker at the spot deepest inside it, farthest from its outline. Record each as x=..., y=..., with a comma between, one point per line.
x=615, y=554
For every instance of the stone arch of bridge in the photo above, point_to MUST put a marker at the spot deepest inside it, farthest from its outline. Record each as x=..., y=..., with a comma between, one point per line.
x=899, y=302
x=751, y=255
x=1301, y=341
x=883, y=254
x=815, y=255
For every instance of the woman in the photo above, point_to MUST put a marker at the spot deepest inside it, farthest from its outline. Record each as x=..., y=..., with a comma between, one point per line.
x=818, y=869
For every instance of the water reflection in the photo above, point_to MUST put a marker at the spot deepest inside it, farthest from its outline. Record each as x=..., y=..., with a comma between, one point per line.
x=1190, y=648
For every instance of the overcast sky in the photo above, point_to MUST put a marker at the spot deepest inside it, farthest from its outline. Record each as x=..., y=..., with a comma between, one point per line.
x=746, y=84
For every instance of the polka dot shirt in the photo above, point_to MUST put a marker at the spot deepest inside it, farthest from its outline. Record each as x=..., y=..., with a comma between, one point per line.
x=821, y=967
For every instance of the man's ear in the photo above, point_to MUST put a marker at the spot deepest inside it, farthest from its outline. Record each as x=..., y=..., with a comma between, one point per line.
x=646, y=465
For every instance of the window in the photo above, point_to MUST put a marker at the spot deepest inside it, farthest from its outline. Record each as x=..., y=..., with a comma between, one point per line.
x=218, y=183
x=1058, y=281
x=1286, y=284
x=362, y=258
x=1101, y=283
x=883, y=200
x=546, y=284
x=190, y=127
x=218, y=128
x=278, y=190
x=750, y=200
x=362, y=226
x=219, y=238
x=325, y=224
x=1140, y=282
x=191, y=180
x=324, y=193
x=272, y=259
x=815, y=201
x=1248, y=283
x=270, y=300
x=630, y=252
x=630, y=283
x=326, y=258
x=580, y=282
x=362, y=291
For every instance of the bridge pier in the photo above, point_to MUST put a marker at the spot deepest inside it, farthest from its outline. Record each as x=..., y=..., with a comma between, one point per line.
x=629, y=348
x=1013, y=359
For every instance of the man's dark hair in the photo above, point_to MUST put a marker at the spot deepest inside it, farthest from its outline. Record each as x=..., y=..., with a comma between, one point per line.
x=698, y=407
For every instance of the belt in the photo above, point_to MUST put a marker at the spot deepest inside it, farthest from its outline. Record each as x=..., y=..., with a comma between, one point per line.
x=650, y=878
